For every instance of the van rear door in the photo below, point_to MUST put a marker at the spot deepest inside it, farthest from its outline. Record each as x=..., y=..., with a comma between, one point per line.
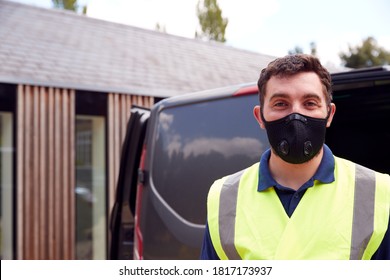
x=122, y=217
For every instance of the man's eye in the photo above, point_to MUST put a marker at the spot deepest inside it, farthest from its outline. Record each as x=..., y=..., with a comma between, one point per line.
x=280, y=104
x=311, y=104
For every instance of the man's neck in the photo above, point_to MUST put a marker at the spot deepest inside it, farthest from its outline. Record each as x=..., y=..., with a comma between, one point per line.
x=293, y=175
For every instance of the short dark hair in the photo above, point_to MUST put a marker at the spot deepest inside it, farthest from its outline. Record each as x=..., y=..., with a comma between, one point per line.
x=291, y=65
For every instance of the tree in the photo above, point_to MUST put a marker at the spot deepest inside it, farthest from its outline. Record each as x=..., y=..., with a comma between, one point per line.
x=313, y=48
x=299, y=49
x=160, y=28
x=70, y=5
x=212, y=23
x=366, y=55
x=296, y=50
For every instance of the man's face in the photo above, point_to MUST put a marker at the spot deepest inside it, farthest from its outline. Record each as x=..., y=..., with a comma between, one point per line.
x=302, y=93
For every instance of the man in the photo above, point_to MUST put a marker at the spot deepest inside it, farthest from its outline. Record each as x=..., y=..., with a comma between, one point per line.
x=299, y=201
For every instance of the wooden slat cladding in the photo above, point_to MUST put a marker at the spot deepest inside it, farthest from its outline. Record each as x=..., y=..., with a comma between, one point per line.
x=45, y=173
x=119, y=106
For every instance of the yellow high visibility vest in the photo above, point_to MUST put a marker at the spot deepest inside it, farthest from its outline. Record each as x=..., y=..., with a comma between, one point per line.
x=346, y=219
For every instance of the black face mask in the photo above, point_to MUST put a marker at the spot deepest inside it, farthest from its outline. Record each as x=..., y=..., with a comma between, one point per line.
x=296, y=138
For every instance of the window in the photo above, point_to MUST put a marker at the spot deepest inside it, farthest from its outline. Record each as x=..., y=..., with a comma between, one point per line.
x=6, y=185
x=90, y=189
x=215, y=138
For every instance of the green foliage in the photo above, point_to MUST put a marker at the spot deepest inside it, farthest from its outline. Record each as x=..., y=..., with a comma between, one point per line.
x=296, y=50
x=299, y=49
x=65, y=4
x=160, y=28
x=313, y=48
x=85, y=10
x=212, y=23
x=366, y=55
x=70, y=5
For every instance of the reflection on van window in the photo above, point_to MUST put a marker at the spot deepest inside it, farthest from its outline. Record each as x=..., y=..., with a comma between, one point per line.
x=215, y=138
x=226, y=147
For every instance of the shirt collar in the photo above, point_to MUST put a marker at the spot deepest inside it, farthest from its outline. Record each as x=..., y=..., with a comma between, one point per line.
x=324, y=173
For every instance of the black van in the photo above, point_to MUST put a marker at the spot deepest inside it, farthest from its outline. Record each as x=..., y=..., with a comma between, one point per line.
x=173, y=153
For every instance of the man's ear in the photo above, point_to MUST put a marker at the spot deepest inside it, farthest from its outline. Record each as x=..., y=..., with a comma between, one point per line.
x=332, y=108
x=257, y=115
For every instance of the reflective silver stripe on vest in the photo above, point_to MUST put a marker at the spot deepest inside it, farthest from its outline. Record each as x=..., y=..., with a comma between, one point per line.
x=227, y=210
x=363, y=212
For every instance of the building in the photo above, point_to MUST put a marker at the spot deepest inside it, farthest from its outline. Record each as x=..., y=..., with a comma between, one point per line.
x=67, y=84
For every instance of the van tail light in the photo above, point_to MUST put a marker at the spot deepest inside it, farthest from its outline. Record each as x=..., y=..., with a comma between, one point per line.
x=246, y=91
x=138, y=238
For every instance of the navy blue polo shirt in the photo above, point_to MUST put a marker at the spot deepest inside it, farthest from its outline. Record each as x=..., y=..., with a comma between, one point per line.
x=290, y=199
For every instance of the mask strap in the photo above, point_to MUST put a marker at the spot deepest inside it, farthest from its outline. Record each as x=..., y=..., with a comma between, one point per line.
x=261, y=115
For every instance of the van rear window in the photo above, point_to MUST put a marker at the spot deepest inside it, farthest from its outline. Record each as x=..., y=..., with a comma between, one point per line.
x=195, y=144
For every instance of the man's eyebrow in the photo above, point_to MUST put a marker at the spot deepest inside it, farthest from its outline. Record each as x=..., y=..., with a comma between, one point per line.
x=279, y=95
x=312, y=95
x=287, y=96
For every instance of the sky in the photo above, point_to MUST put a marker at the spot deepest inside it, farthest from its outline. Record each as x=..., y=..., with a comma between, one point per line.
x=271, y=27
